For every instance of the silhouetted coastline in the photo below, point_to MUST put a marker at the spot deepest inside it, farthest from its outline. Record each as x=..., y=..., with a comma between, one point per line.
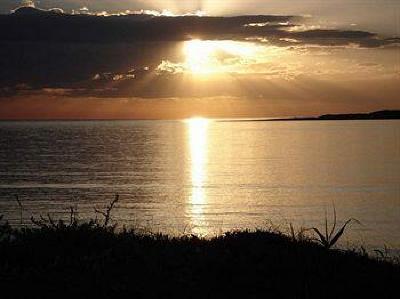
x=383, y=114
x=377, y=115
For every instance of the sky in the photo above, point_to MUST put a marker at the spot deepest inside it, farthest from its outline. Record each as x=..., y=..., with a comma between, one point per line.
x=134, y=59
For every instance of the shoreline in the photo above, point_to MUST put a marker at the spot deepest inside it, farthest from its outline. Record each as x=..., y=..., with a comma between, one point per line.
x=377, y=115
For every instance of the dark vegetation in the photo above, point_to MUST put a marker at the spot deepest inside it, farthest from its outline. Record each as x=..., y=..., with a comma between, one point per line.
x=377, y=115
x=384, y=114
x=60, y=259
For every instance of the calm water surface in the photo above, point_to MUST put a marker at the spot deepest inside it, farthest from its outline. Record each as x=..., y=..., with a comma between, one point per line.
x=208, y=177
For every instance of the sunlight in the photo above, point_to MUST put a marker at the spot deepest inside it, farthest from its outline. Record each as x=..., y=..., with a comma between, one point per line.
x=205, y=56
x=197, y=135
x=198, y=154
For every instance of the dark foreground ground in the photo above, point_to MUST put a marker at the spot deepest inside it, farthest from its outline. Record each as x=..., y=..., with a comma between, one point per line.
x=88, y=261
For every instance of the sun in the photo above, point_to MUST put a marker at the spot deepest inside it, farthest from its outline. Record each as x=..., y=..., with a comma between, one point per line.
x=198, y=56
x=206, y=56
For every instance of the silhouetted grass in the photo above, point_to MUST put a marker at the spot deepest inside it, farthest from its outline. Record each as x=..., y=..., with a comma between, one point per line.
x=92, y=260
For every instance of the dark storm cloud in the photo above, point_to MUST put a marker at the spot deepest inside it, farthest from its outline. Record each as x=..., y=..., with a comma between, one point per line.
x=29, y=24
x=38, y=25
x=67, y=65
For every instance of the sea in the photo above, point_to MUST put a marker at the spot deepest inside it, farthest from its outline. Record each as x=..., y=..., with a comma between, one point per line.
x=207, y=177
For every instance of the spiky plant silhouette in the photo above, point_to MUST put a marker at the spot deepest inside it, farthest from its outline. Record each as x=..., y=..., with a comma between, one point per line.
x=329, y=238
x=107, y=213
x=21, y=209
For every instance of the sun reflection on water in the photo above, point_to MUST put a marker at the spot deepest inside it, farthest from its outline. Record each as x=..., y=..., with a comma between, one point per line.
x=197, y=137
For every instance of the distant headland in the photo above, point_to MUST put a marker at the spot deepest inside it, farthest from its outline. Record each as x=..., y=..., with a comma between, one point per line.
x=383, y=114
x=377, y=115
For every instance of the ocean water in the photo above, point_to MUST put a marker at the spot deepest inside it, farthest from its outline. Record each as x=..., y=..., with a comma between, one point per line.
x=207, y=177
